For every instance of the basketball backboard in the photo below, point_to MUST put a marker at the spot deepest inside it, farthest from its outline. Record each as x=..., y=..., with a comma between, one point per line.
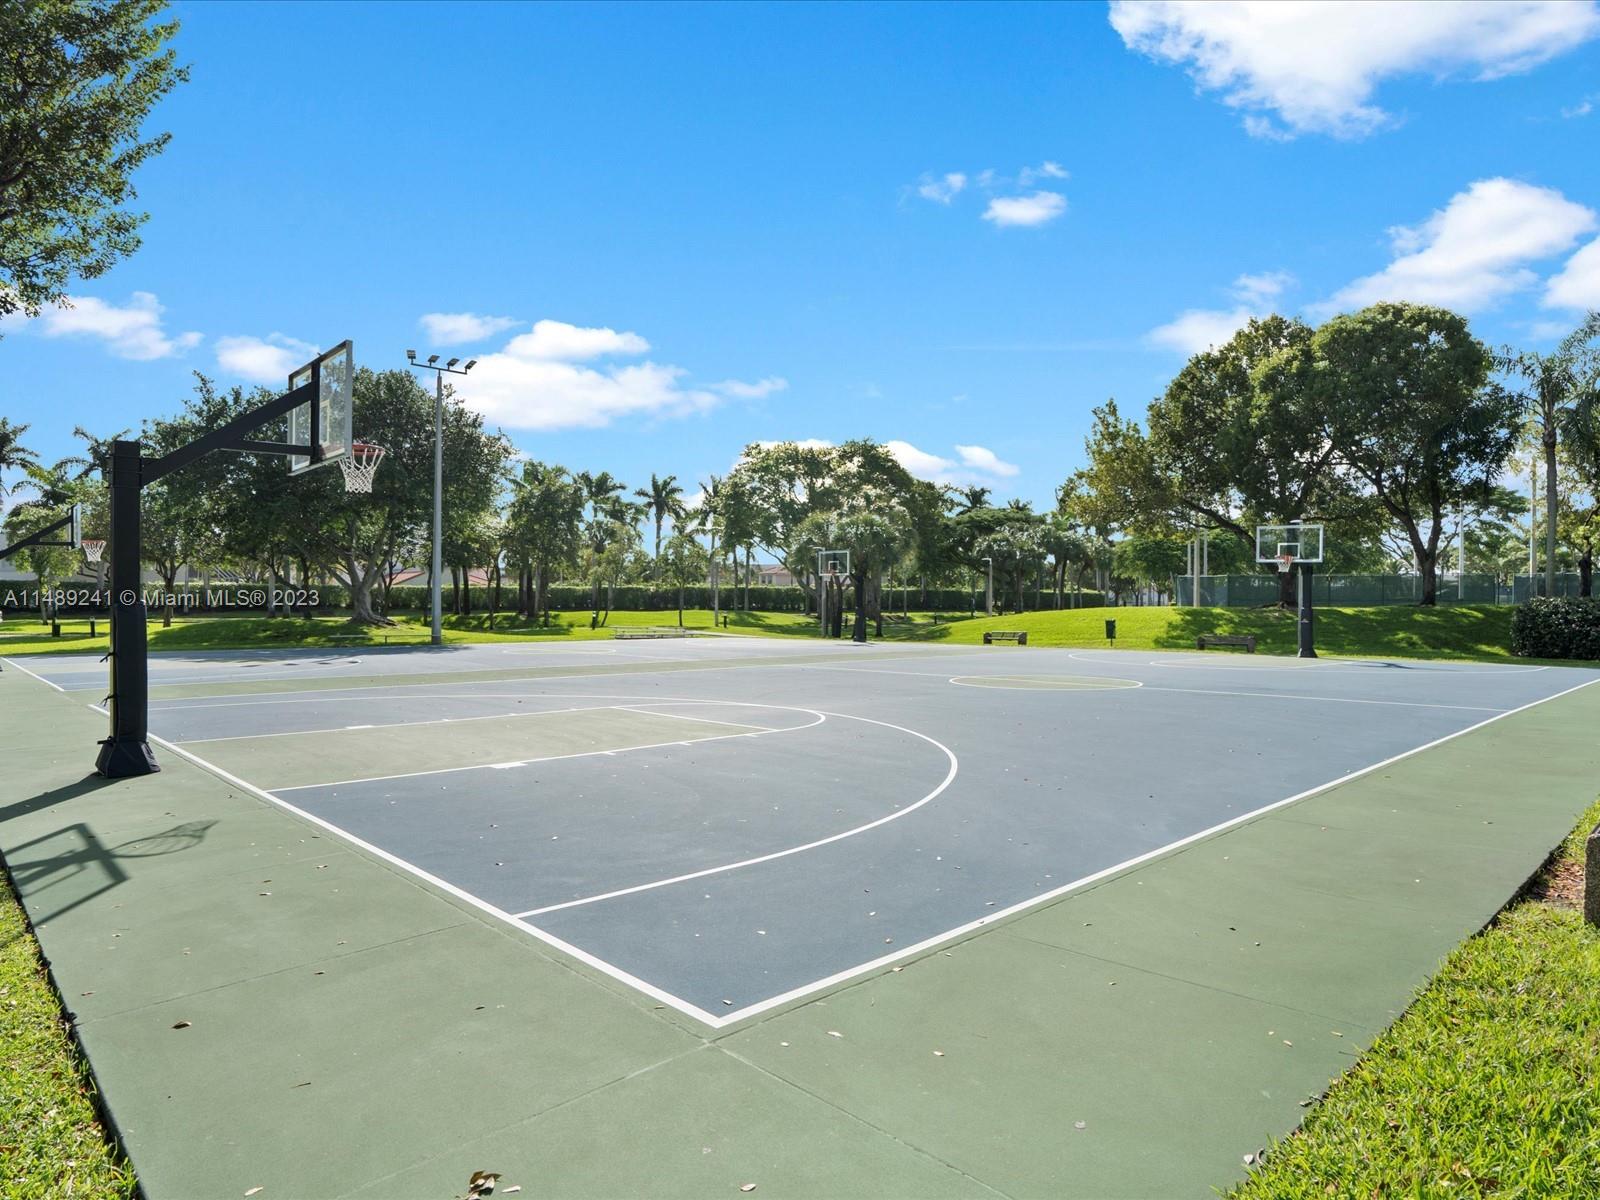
x=1300, y=543
x=833, y=562
x=333, y=373
x=75, y=530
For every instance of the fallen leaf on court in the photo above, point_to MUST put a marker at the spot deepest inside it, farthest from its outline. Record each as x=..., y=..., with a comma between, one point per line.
x=1249, y=1159
x=1080, y=1124
x=835, y=1033
x=252, y=1191
x=182, y=1025
x=481, y=1184
x=938, y=1053
x=747, y=1187
x=513, y=1189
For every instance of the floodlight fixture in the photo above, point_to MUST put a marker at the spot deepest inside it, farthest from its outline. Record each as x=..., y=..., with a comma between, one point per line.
x=452, y=362
x=412, y=355
x=432, y=358
x=471, y=362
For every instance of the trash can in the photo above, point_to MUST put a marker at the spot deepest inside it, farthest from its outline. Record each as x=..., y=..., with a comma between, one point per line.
x=1111, y=630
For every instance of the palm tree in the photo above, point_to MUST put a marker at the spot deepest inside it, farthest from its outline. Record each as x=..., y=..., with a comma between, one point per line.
x=973, y=497
x=96, y=451
x=662, y=499
x=1562, y=393
x=711, y=491
x=13, y=454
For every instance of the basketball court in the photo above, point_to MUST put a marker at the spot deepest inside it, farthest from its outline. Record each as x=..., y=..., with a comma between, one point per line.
x=732, y=825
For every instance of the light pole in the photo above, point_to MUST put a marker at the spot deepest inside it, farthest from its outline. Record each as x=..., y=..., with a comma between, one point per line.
x=988, y=589
x=437, y=566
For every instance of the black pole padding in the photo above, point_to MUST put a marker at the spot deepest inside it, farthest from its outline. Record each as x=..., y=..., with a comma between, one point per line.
x=1308, y=643
x=126, y=752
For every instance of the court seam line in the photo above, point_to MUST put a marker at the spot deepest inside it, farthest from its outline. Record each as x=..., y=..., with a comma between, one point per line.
x=240, y=737
x=35, y=674
x=528, y=762
x=1128, y=864
x=949, y=778
x=643, y=711
x=605, y=968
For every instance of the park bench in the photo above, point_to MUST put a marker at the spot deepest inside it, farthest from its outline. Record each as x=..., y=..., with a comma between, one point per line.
x=1206, y=640
x=357, y=637
x=652, y=631
x=1019, y=636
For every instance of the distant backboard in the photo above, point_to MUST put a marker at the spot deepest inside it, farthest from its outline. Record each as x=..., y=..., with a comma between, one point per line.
x=75, y=529
x=1303, y=543
x=833, y=563
x=333, y=372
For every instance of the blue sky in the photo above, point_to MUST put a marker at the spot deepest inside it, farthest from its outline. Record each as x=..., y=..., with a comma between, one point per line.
x=667, y=231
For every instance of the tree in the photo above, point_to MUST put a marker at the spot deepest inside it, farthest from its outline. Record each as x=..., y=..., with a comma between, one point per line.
x=13, y=454
x=662, y=499
x=686, y=562
x=79, y=77
x=545, y=521
x=1560, y=392
x=1406, y=403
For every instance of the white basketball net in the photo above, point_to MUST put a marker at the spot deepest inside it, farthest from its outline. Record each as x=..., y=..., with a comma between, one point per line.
x=93, y=548
x=361, y=466
x=1285, y=563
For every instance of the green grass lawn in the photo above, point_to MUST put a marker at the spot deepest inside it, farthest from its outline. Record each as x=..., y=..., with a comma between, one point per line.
x=1458, y=631
x=1489, y=1085
x=51, y=1143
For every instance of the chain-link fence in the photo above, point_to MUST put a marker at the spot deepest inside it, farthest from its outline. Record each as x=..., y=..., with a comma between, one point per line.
x=1364, y=591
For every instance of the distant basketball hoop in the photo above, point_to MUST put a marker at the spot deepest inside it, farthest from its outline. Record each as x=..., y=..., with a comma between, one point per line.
x=93, y=548
x=360, y=467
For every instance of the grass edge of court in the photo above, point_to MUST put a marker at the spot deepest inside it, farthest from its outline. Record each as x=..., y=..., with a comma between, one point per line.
x=1369, y=1141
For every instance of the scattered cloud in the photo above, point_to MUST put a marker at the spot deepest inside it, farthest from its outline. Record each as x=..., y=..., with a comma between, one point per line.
x=557, y=341
x=1029, y=176
x=1198, y=329
x=1581, y=109
x=548, y=378
x=973, y=464
x=263, y=360
x=758, y=390
x=1037, y=209
x=1293, y=69
x=132, y=330
x=1475, y=250
x=1576, y=285
x=943, y=189
x=455, y=329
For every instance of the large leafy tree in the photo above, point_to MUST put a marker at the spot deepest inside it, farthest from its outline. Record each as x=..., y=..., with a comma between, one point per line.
x=1560, y=392
x=544, y=524
x=685, y=562
x=1407, y=404
x=77, y=80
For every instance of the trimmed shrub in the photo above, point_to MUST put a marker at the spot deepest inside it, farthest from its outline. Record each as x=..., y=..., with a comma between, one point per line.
x=1556, y=627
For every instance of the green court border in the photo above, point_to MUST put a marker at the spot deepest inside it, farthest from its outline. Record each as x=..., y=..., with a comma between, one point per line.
x=354, y=1032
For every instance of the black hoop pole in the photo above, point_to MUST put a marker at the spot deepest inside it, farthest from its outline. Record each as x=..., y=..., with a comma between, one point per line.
x=126, y=750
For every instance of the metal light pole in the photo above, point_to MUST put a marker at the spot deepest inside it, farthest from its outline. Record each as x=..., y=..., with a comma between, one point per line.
x=436, y=567
x=988, y=590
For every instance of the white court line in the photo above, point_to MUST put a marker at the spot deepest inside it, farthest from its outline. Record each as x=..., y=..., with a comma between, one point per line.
x=1160, y=852
x=645, y=710
x=754, y=731
x=1048, y=683
x=764, y=858
x=537, y=712
x=1324, y=699
x=583, y=956
x=35, y=674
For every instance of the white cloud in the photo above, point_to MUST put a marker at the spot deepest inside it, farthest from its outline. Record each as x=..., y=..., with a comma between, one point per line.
x=1581, y=109
x=1576, y=285
x=454, y=329
x=543, y=380
x=1315, y=66
x=1035, y=209
x=977, y=464
x=981, y=458
x=1262, y=288
x=758, y=390
x=1028, y=176
x=559, y=342
x=131, y=331
x=1198, y=329
x=263, y=360
x=943, y=189
x=1476, y=249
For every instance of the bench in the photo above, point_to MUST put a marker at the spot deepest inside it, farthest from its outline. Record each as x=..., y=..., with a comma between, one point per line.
x=357, y=637
x=991, y=636
x=651, y=631
x=1206, y=640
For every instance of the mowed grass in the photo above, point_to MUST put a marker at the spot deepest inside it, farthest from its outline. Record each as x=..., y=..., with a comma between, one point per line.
x=1477, y=631
x=25, y=634
x=51, y=1143
x=1488, y=1086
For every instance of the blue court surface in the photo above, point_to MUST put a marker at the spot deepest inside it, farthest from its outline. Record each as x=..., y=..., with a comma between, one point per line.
x=728, y=824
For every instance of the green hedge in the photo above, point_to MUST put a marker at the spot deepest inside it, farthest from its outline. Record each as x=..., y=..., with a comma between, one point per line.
x=1556, y=627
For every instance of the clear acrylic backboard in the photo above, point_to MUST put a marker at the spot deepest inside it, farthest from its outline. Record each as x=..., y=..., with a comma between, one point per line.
x=1299, y=543
x=333, y=372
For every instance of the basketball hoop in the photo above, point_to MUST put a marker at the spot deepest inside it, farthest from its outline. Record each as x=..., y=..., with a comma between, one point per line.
x=1285, y=563
x=92, y=548
x=361, y=466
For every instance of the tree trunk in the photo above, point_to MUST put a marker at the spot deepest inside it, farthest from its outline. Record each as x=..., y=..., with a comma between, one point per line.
x=680, y=606
x=1549, y=510
x=860, y=632
x=1586, y=571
